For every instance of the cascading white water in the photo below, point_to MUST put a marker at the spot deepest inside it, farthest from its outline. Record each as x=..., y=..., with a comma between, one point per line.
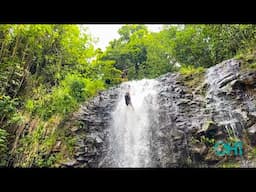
x=216, y=78
x=130, y=130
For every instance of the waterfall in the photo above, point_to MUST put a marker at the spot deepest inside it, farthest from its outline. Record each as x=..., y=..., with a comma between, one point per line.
x=218, y=78
x=130, y=130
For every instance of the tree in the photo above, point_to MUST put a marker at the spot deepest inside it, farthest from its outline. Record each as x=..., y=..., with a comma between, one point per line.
x=129, y=51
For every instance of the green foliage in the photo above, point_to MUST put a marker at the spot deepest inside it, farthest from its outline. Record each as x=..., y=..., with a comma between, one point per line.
x=70, y=143
x=207, y=45
x=144, y=54
x=46, y=71
x=203, y=139
x=80, y=87
x=194, y=140
x=207, y=141
x=252, y=66
x=59, y=102
x=3, y=147
x=64, y=99
x=229, y=164
x=248, y=58
x=148, y=55
x=16, y=119
x=7, y=106
x=35, y=148
x=45, y=162
x=199, y=45
x=8, y=112
x=49, y=70
x=190, y=69
x=252, y=153
x=232, y=139
x=77, y=90
x=104, y=70
x=30, y=105
x=129, y=51
x=46, y=146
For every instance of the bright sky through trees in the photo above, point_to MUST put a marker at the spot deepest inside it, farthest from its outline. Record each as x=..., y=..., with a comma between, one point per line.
x=107, y=32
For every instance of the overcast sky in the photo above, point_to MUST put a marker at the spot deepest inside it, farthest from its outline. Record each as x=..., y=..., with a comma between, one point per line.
x=107, y=32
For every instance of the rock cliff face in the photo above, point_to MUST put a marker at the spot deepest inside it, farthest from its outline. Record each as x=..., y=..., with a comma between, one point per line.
x=190, y=119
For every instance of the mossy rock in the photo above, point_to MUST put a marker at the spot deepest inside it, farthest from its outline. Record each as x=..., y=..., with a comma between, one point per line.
x=193, y=82
x=248, y=61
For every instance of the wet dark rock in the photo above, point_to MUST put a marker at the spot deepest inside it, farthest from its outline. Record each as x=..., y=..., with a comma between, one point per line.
x=248, y=78
x=221, y=94
x=209, y=129
x=251, y=120
x=77, y=154
x=177, y=134
x=81, y=159
x=183, y=101
x=252, y=134
x=226, y=80
x=237, y=84
x=252, y=130
x=96, y=137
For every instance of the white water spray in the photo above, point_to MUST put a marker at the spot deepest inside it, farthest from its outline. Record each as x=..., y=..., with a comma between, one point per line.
x=130, y=130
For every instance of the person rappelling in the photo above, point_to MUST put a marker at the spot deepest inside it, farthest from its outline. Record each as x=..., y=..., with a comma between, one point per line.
x=127, y=98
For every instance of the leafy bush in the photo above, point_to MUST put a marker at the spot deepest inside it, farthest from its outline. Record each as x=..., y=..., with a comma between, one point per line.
x=30, y=105
x=7, y=106
x=16, y=119
x=80, y=87
x=76, y=86
x=64, y=99
x=252, y=66
x=207, y=141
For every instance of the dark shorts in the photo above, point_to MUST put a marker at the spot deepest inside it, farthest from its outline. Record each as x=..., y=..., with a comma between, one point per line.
x=127, y=99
